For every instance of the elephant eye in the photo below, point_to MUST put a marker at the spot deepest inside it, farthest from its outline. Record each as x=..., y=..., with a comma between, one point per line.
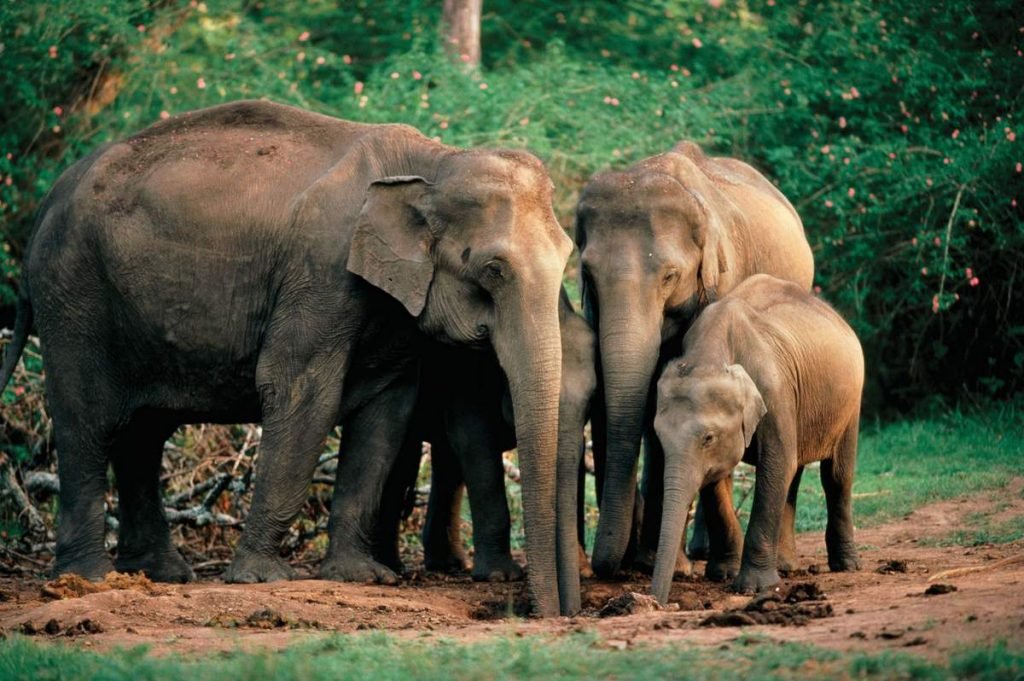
x=707, y=439
x=669, y=278
x=494, y=270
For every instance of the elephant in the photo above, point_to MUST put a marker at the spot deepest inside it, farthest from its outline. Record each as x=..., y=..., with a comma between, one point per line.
x=659, y=241
x=771, y=375
x=258, y=262
x=464, y=410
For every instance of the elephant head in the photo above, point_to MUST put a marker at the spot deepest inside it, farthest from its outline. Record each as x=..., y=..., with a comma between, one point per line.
x=476, y=255
x=706, y=417
x=653, y=251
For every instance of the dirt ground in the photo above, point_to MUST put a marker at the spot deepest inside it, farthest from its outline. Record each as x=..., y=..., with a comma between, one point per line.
x=885, y=606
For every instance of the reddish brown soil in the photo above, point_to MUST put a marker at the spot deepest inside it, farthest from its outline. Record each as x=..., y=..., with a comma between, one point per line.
x=868, y=611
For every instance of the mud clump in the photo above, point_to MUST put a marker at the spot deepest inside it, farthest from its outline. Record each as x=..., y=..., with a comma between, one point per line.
x=939, y=589
x=75, y=586
x=893, y=566
x=264, y=618
x=802, y=603
x=55, y=628
x=515, y=604
x=630, y=603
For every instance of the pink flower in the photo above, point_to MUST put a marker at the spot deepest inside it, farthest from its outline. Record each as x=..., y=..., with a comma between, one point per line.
x=8, y=180
x=935, y=304
x=924, y=271
x=956, y=133
x=141, y=28
x=1011, y=136
x=817, y=289
x=697, y=43
x=969, y=273
x=674, y=67
x=842, y=121
x=321, y=60
x=828, y=203
x=1018, y=167
x=974, y=281
x=53, y=51
x=58, y=110
x=346, y=58
x=854, y=92
x=304, y=36
x=201, y=83
x=937, y=241
x=444, y=125
x=826, y=149
x=892, y=155
x=416, y=75
x=913, y=242
x=928, y=181
x=164, y=115
x=464, y=57
x=358, y=87
x=19, y=390
x=904, y=129
x=483, y=86
x=635, y=75
x=851, y=192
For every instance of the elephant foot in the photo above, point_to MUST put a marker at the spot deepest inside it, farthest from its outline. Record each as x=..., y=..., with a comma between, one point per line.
x=249, y=568
x=722, y=569
x=646, y=559
x=165, y=566
x=447, y=561
x=786, y=564
x=355, y=568
x=844, y=563
x=93, y=568
x=586, y=572
x=753, y=580
x=499, y=569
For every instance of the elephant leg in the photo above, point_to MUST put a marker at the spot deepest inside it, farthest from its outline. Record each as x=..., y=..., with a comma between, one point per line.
x=298, y=414
x=837, y=481
x=400, y=485
x=371, y=441
x=144, y=538
x=699, y=546
x=787, y=559
x=725, y=537
x=776, y=467
x=442, y=539
x=479, y=454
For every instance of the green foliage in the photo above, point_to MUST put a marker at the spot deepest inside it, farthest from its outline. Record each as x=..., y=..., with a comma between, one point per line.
x=574, y=657
x=892, y=127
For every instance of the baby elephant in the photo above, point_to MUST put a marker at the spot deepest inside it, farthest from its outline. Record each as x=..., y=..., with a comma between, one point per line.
x=768, y=357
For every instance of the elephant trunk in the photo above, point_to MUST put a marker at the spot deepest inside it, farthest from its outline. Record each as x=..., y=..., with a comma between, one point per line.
x=528, y=345
x=682, y=482
x=629, y=355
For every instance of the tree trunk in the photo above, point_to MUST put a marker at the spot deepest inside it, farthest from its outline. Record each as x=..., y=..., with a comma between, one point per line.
x=460, y=30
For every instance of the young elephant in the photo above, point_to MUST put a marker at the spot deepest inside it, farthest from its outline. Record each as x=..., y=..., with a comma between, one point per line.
x=773, y=358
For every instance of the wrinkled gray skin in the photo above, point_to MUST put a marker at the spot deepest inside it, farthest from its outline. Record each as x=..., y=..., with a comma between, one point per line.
x=659, y=241
x=773, y=376
x=257, y=262
x=464, y=410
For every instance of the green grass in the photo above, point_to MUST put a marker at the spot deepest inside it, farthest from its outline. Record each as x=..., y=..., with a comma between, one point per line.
x=980, y=529
x=578, y=656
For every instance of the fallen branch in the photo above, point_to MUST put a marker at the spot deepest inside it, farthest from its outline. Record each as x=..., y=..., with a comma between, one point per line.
x=960, y=572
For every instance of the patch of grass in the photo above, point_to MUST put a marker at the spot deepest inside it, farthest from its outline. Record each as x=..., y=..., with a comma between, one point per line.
x=984, y=531
x=904, y=465
x=580, y=656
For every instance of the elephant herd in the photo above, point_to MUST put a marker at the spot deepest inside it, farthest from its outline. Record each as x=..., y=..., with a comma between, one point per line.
x=257, y=262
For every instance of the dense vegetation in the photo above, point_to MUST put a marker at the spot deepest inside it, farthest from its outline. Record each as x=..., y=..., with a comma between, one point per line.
x=891, y=126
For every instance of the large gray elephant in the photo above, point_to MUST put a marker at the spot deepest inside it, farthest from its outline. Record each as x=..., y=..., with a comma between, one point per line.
x=658, y=242
x=771, y=375
x=257, y=262
x=465, y=412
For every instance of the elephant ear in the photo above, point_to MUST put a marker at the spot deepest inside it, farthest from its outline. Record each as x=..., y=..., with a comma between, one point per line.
x=713, y=258
x=391, y=244
x=754, y=408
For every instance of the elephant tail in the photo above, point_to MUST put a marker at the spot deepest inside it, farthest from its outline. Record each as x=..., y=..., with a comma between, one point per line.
x=22, y=325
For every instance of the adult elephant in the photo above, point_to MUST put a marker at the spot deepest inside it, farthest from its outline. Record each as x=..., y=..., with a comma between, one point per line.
x=465, y=412
x=254, y=261
x=658, y=242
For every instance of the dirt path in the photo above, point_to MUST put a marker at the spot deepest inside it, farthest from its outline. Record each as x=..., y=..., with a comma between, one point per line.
x=870, y=610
